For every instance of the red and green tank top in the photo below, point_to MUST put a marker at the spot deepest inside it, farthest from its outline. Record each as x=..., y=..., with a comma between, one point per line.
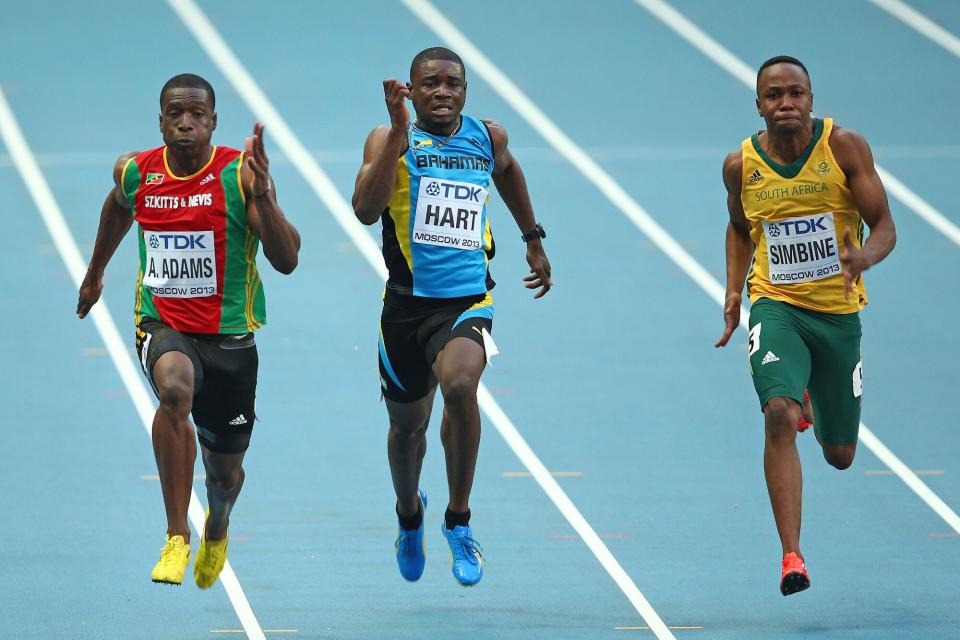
x=198, y=271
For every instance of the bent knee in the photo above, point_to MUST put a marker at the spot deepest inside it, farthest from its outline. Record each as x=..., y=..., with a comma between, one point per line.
x=176, y=396
x=460, y=390
x=410, y=426
x=840, y=457
x=226, y=482
x=780, y=417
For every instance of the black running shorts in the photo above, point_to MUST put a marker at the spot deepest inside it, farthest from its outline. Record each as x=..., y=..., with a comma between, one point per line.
x=414, y=330
x=224, y=380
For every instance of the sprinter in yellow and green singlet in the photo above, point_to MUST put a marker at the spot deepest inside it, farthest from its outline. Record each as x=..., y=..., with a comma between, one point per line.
x=798, y=195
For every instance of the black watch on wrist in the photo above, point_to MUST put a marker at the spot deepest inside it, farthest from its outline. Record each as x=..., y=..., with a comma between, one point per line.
x=536, y=232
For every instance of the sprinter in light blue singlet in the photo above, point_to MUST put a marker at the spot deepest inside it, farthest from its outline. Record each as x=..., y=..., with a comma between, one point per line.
x=428, y=183
x=436, y=234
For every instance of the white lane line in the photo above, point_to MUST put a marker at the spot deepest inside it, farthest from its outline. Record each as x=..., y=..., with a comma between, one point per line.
x=739, y=70
x=716, y=52
x=913, y=18
x=77, y=267
x=920, y=206
x=208, y=37
x=910, y=478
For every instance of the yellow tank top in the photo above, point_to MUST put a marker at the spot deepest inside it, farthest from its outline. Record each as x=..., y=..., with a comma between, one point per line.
x=798, y=214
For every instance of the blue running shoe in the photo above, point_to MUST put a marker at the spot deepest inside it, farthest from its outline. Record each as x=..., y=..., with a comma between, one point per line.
x=465, y=554
x=411, y=556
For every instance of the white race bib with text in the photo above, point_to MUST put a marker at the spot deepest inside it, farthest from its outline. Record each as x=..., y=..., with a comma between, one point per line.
x=180, y=264
x=802, y=249
x=449, y=214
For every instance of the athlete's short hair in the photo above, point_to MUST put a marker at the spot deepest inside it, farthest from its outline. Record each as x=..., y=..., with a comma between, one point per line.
x=188, y=81
x=436, y=53
x=785, y=60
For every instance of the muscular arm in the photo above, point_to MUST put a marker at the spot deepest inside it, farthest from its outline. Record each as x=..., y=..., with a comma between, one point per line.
x=512, y=187
x=380, y=153
x=855, y=158
x=509, y=179
x=375, y=180
x=280, y=239
x=739, y=246
x=115, y=220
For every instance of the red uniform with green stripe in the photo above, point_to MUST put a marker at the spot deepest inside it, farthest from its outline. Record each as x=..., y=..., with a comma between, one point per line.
x=198, y=271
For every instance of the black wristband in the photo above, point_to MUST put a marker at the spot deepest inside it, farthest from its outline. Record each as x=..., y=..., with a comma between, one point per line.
x=536, y=232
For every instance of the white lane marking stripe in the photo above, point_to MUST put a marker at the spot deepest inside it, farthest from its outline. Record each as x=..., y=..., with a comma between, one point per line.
x=208, y=37
x=574, y=517
x=477, y=62
x=920, y=206
x=913, y=18
x=739, y=70
x=716, y=52
x=910, y=478
x=67, y=246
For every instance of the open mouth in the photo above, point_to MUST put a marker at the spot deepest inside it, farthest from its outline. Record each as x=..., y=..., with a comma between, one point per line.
x=442, y=109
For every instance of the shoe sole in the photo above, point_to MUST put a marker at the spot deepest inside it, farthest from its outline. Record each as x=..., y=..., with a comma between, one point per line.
x=794, y=583
x=172, y=584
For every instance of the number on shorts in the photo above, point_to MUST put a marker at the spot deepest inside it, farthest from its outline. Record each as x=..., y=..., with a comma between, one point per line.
x=858, y=380
x=753, y=340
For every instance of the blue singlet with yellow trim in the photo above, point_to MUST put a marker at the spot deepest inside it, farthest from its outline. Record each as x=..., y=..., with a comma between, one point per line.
x=437, y=241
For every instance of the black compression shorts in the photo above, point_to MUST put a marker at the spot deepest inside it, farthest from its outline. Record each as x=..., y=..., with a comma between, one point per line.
x=414, y=330
x=224, y=385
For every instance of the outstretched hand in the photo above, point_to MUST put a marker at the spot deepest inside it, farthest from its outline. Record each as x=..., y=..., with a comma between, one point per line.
x=395, y=93
x=90, y=290
x=258, y=163
x=539, y=277
x=731, y=318
x=854, y=262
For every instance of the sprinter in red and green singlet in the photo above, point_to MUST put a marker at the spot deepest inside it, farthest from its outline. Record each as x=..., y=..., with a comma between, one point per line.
x=202, y=211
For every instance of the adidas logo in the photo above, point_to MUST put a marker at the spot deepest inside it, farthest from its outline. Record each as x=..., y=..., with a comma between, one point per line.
x=770, y=357
x=209, y=178
x=755, y=177
x=239, y=420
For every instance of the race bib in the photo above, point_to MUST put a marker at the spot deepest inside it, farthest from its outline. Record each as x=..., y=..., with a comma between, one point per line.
x=802, y=249
x=180, y=264
x=449, y=214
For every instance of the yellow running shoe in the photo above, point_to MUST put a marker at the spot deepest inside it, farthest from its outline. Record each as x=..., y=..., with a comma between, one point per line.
x=209, y=562
x=174, y=558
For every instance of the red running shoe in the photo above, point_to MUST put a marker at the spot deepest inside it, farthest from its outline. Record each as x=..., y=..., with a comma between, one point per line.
x=803, y=424
x=793, y=574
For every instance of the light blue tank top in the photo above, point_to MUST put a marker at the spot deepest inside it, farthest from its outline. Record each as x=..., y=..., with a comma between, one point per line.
x=437, y=240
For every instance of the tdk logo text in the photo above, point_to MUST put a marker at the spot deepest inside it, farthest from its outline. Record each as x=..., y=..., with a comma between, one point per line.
x=797, y=227
x=454, y=191
x=176, y=241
